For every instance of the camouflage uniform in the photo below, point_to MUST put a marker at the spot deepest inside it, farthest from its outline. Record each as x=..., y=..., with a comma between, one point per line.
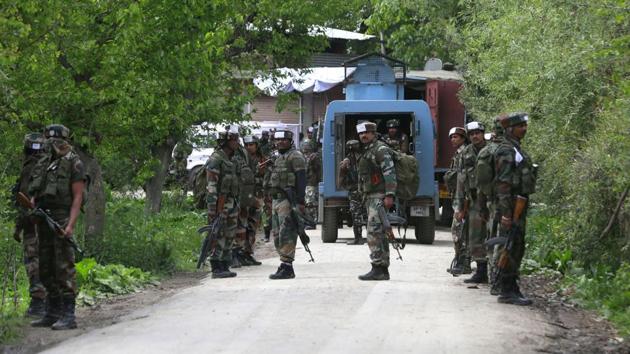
x=377, y=178
x=477, y=211
x=288, y=175
x=223, y=172
x=457, y=232
x=247, y=200
x=266, y=170
x=23, y=224
x=180, y=155
x=313, y=177
x=349, y=178
x=398, y=142
x=51, y=186
x=516, y=176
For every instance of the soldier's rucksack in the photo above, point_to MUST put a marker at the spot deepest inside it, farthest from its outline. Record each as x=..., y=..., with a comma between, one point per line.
x=407, y=176
x=485, y=170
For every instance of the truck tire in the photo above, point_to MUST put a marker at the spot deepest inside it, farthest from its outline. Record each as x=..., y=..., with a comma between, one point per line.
x=329, y=225
x=425, y=229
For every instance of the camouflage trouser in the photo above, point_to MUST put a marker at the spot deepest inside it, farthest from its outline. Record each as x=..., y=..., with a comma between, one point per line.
x=31, y=259
x=357, y=208
x=248, y=220
x=267, y=211
x=493, y=252
x=311, y=201
x=284, y=229
x=222, y=250
x=56, y=259
x=459, y=239
x=376, y=238
x=477, y=231
x=518, y=247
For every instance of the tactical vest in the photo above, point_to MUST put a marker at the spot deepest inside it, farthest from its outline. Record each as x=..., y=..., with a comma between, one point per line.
x=51, y=180
x=524, y=178
x=370, y=174
x=283, y=175
x=450, y=177
x=246, y=178
x=228, y=176
x=469, y=165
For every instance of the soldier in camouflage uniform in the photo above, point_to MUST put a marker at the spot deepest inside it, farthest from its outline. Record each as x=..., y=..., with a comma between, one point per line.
x=242, y=246
x=487, y=195
x=466, y=194
x=378, y=185
x=222, y=170
x=288, y=176
x=57, y=185
x=313, y=177
x=396, y=138
x=515, y=177
x=266, y=168
x=180, y=163
x=461, y=261
x=264, y=145
x=349, y=177
x=254, y=211
x=25, y=229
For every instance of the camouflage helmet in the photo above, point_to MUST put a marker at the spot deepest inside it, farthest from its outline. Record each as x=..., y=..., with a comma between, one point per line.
x=283, y=134
x=472, y=126
x=57, y=131
x=34, y=141
x=393, y=123
x=250, y=139
x=352, y=144
x=513, y=119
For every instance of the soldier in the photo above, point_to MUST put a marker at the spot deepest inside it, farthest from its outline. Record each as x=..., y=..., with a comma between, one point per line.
x=474, y=211
x=180, y=163
x=57, y=186
x=515, y=178
x=288, y=178
x=377, y=178
x=242, y=246
x=461, y=262
x=222, y=172
x=349, y=177
x=396, y=137
x=313, y=177
x=266, y=167
x=33, y=151
x=264, y=144
x=253, y=212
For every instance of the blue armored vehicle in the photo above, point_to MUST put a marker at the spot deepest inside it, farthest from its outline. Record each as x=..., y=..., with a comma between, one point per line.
x=375, y=91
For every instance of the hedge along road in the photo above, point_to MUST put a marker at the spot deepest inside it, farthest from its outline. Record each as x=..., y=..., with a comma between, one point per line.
x=326, y=309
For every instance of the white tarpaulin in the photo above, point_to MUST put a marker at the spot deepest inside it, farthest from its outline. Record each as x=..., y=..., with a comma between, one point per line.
x=308, y=80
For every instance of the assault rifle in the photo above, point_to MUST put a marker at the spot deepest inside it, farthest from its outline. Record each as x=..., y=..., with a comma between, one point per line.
x=25, y=202
x=508, y=242
x=387, y=227
x=213, y=229
x=300, y=221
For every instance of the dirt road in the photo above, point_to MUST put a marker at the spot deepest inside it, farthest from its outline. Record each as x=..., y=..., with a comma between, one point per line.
x=327, y=310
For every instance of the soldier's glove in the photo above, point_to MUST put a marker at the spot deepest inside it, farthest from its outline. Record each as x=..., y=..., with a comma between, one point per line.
x=16, y=234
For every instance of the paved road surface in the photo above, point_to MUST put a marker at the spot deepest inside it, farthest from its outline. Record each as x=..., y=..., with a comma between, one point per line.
x=327, y=310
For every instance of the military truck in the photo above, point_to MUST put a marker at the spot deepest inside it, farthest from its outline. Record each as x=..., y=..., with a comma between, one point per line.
x=376, y=92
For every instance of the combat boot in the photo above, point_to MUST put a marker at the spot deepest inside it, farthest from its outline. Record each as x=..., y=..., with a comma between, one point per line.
x=225, y=266
x=285, y=271
x=236, y=262
x=37, y=308
x=480, y=276
x=67, y=320
x=358, y=239
x=267, y=234
x=466, y=265
x=457, y=266
x=250, y=258
x=242, y=259
x=376, y=273
x=218, y=272
x=511, y=294
x=53, y=312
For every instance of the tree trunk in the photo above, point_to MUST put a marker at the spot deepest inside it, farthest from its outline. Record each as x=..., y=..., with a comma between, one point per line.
x=95, y=208
x=154, y=186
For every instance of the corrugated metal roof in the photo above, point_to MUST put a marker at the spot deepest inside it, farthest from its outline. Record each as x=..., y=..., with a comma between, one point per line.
x=423, y=75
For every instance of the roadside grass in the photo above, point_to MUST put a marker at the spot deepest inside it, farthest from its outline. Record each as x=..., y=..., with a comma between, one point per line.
x=134, y=252
x=597, y=287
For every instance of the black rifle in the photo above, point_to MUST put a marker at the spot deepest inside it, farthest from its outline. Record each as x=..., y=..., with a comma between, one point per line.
x=24, y=201
x=387, y=227
x=300, y=221
x=213, y=229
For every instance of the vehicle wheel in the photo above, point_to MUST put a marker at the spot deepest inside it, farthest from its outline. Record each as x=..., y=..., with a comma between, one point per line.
x=329, y=226
x=425, y=229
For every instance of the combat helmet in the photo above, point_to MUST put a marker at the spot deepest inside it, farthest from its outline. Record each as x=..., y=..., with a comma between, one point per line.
x=250, y=139
x=457, y=130
x=513, y=119
x=34, y=142
x=57, y=131
x=393, y=123
x=283, y=134
x=472, y=126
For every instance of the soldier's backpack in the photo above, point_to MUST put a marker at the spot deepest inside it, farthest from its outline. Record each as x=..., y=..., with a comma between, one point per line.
x=485, y=170
x=407, y=176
